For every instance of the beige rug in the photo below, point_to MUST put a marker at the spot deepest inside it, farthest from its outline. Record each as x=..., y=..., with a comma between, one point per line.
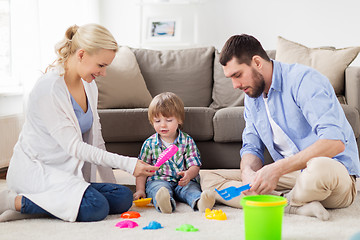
x=343, y=224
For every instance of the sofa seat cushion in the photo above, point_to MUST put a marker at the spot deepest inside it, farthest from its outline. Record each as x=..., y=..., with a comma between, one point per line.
x=229, y=124
x=132, y=125
x=186, y=72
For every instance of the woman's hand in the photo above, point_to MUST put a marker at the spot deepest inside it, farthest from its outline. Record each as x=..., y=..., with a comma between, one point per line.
x=139, y=194
x=144, y=169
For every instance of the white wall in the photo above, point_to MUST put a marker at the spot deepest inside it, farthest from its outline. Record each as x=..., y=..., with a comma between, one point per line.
x=122, y=18
x=312, y=23
x=36, y=26
x=55, y=16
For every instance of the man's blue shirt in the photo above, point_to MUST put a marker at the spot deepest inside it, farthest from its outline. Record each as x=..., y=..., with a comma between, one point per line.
x=303, y=104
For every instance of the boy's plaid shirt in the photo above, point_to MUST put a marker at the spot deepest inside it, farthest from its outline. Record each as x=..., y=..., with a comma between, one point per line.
x=188, y=155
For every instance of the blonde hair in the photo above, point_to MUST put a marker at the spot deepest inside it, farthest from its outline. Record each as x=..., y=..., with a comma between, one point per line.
x=167, y=104
x=90, y=37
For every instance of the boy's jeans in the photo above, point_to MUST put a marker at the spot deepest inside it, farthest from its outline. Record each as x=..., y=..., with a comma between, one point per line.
x=189, y=194
x=99, y=200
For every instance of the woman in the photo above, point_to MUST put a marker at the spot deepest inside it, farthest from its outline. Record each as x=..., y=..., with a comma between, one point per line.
x=61, y=147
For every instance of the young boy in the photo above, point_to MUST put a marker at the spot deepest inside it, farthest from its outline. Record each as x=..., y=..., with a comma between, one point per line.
x=177, y=178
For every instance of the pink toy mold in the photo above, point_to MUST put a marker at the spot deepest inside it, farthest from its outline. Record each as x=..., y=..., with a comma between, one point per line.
x=126, y=224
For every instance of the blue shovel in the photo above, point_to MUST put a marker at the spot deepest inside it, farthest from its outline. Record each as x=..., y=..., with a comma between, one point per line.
x=231, y=192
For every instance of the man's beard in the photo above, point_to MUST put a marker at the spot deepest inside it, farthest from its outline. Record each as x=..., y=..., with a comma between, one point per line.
x=259, y=84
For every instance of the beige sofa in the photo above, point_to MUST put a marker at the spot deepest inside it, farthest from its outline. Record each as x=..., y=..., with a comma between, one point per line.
x=214, y=110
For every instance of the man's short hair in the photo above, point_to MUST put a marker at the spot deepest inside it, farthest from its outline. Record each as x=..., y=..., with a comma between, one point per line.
x=243, y=47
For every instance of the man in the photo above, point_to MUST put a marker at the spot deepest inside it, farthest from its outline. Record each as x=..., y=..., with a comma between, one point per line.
x=292, y=110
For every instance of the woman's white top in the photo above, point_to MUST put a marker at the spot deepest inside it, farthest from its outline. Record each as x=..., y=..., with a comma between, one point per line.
x=52, y=163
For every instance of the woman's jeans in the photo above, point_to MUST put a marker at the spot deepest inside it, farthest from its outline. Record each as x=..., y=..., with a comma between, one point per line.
x=99, y=200
x=189, y=194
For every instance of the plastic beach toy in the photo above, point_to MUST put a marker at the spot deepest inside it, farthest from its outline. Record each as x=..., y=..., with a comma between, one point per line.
x=231, y=192
x=166, y=155
x=130, y=214
x=215, y=214
x=266, y=211
x=153, y=225
x=187, y=228
x=126, y=224
x=142, y=202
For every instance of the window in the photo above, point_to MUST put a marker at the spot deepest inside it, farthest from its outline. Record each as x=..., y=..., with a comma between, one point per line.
x=5, y=52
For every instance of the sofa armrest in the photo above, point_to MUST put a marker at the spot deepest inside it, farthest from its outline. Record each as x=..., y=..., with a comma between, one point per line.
x=352, y=86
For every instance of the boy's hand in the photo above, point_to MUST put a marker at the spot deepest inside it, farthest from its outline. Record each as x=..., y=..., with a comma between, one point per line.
x=185, y=178
x=139, y=194
x=144, y=169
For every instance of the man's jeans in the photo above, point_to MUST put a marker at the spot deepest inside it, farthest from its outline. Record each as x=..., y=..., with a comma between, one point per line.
x=99, y=200
x=189, y=194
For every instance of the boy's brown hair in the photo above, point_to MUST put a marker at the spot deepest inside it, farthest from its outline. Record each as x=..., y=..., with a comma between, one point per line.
x=167, y=104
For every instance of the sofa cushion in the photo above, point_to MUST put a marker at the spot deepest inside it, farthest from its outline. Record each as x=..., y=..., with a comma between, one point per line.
x=132, y=125
x=223, y=93
x=329, y=61
x=123, y=86
x=229, y=124
x=186, y=72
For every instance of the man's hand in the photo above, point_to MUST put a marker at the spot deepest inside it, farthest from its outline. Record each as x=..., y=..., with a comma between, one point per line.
x=249, y=165
x=247, y=177
x=144, y=169
x=266, y=179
